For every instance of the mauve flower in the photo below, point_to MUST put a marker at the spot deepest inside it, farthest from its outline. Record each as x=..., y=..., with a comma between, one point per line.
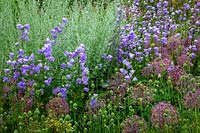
x=192, y=99
x=85, y=80
x=164, y=114
x=134, y=124
x=58, y=106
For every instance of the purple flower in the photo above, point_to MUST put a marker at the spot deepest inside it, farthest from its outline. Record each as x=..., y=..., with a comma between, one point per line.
x=48, y=81
x=11, y=55
x=32, y=92
x=68, y=76
x=198, y=4
x=27, y=26
x=64, y=20
x=93, y=102
x=164, y=40
x=135, y=79
x=46, y=68
x=192, y=55
x=170, y=68
x=78, y=81
x=31, y=82
x=63, y=66
x=62, y=91
x=22, y=84
x=19, y=26
x=6, y=70
x=5, y=79
x=85, y=80
x=86, y=89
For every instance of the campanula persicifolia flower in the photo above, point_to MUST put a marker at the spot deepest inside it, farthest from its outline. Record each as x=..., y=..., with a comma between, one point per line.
x=48, y=81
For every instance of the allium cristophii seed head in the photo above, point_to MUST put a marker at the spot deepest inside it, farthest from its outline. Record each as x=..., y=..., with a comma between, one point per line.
x=164, y=114
x=118, y=84
x=134, y=124
x=141, y=94
x=187, y=83
x=181, y=60
x=23, y=104
x=173, y=45
x=192, y=99
x=175, y=73
x=57, y=106
x=157, y=66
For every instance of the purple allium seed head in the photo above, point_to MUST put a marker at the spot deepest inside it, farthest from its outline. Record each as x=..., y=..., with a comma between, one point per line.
x=175, y=73
x=141, y=95
x=181, y=60
x=192, y=99
x=134, y=124
x=164, y=114
x=58, y=106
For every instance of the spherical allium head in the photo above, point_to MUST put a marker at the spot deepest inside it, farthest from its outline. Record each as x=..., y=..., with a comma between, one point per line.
x=181, y=60
x=118, y=85
x=97, y=106
x=134, y=124
x=28, y=102
x=164, y=114
x=175, y=73
x=187, y=83
x=57, y=106
x=22, y=104
x=192, y=99
x=161, y=65
x=157, y=66
x=141, y=94
x=173, y=45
